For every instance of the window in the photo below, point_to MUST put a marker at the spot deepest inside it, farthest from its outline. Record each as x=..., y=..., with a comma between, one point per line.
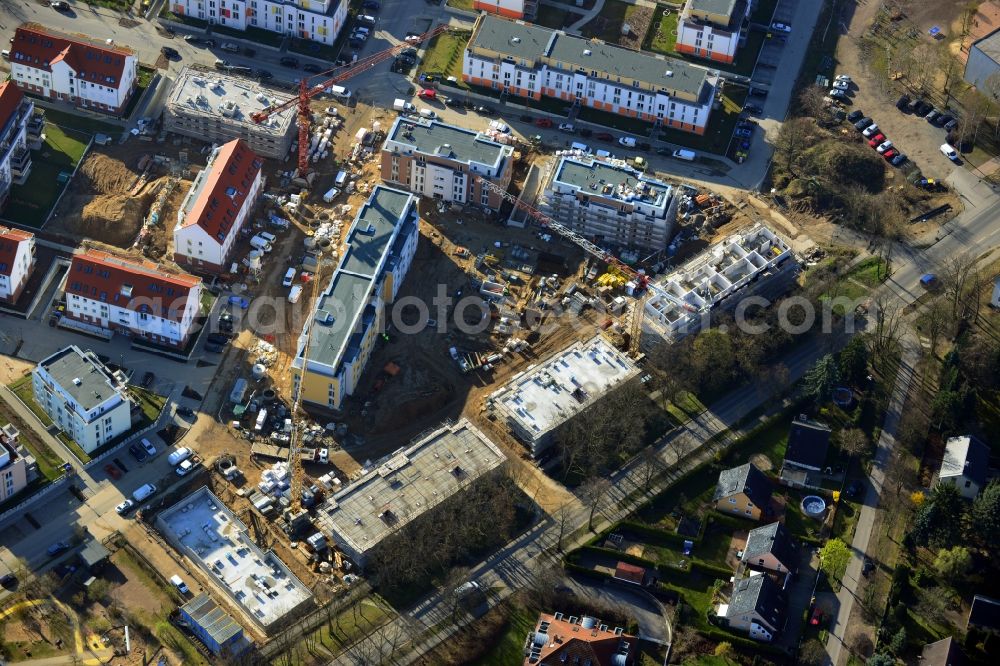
x=732, y=500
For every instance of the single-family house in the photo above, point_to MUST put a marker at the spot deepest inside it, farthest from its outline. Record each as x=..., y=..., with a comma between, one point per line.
x=944, y=652
x=964, y=465
x=770, y=547
x=805, y=456
x=756, y=606
x=743, y=491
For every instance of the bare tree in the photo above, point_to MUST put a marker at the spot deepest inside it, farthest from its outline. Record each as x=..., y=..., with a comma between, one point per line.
x=593, y=492
x=649, y=466
x=793, y=139
x=947, y=65
x=963, y=284
x=813, y=102
x=561, y=516
x=935, y=321
x=884, y=336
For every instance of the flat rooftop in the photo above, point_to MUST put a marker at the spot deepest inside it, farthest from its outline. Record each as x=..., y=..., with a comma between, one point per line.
x=530, y=42
x=621, y=183
x=82, y=376
x=459, y=144
x=209, y=534
x=228, y=98
x=406, y=484
x=368, y=245
x=545, y=396
x=724, y=7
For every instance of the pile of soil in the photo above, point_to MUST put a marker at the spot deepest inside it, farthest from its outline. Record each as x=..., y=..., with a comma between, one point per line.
x=100, y=174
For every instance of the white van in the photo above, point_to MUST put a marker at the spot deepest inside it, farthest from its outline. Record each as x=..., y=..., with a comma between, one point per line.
x=366, y=18
x=627, y=141
x=289, y=278
x=295, y=294
x=688, y=155
x=331, y=194
x=339, y=91
x=143, y=492
x=427, y=113
x=582, y=147
x=259, y=243
x=341, y=179
x=268, y=236
x=179, y=584
x=180, y=455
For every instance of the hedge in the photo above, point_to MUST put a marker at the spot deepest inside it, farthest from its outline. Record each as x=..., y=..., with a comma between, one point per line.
x=741, y=641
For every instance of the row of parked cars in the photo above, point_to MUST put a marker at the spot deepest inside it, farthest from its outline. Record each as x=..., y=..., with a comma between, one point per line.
x=927, y=111
x=876, y=139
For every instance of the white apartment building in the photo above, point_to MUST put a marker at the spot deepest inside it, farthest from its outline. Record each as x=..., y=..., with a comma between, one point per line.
x=317, y=20
x=83, y=397
x=216, y=207
x=442, y=161
x=90, y=74
x=132, y=297
x=532, y=61
x=612, y=204
x=752, y=261
x=713, y=29
x=17, y=260
x=337, y=340
x=13, y=463
x=19, y=129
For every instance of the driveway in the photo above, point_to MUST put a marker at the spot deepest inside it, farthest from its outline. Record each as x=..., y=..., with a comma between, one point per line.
x=653, y=625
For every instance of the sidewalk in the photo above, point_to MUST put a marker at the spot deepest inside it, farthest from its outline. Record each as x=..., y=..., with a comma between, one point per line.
x=835, y=647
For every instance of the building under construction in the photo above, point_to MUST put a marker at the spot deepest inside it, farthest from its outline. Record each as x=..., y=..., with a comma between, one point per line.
x=214, y=106
x=542, y=398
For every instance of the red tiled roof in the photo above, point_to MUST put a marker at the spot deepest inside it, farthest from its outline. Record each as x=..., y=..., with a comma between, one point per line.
x=630, y=572
x=39, y=48
x=578, y=644
x=10, y=99
x=103, y=277
x=232, y=173
x=10, y=239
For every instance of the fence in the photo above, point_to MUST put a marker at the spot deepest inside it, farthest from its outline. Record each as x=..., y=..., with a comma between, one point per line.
x=55, y=206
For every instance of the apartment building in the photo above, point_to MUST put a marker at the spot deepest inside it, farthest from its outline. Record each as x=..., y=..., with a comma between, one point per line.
x=713, y=29
x=441, y=161
x=209, y=105
x=338, y=338
x=83, y=397
x=534, y=62
x=133, y=297
x=90, y=74
x=512, y=9
x=316, y=20
x=216, y=207
x=611, y=204
x=19, y=131
x=13, y=465
x=17, y=260
x=754, y=261
x=558, y=639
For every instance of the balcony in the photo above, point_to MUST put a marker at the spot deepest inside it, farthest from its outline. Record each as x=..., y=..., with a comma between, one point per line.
x=530, y=9
x=20, y=165
x=35, y=126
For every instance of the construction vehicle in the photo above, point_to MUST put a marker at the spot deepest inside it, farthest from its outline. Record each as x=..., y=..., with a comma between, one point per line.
x=336, y=76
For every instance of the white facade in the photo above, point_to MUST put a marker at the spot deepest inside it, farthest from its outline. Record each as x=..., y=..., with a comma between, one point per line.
x=712, y=30
x=317, y=20
x=15, y=153
x=17, y=259
x=82, y=397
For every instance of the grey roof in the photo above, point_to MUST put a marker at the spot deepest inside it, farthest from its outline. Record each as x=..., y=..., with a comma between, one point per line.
x=94, y=553
x=209, y=616
x=745, y=479
x=944, y=652
x=965, y=456
x=432, y=137
x=406, y=484
x=990, y=45
x=808, y=442
x=774, y=539
x=368, y=246
x=714, y=6
x=761, y=595
x=531, y=42
x=96, y=382
x=596, y=177
x=985, y=612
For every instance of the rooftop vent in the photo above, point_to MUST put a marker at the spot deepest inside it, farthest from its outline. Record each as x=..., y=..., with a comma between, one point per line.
x=587, y=52
x=76, y=381
x=670, y=72
x=515, y=40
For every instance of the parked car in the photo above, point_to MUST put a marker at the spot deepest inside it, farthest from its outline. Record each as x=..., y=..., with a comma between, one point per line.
x=838, y=95
x=855, y=115
x=214, y=348
x=137, y=453
x=949, y=152
x=543, y=122
x=170, y=53
x=59, y=5
x=58, y=548
x=485, y=110
x=842, y=85
x=8, y=580
x=923, y=109
x=604, y=136
x=898, y=159
x=951, y=124
x=903, y=103
x=124, y=507
x=844, y=77
x=567, y=127
x=944, y=119
x=876, y=140
x=870, y=131
x=884, y=146
x=113, y=471
x=312, y=68
x=289, y=61
x=218, y=338
x=454, y=102
x=263, y=74
x=198, y=41
x=932, y=116
x=148, y=447
x=777, y=26
x=863, y=123
x=356, y=44
x=889, y=154
x=230, y=47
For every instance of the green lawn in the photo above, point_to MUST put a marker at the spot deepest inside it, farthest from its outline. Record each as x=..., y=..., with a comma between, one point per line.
x=555, y=17
x=49, y=464
x=150, y=403
x=845, y=520
x=71, y=444
x=22, y=389
x=350, y=625
x=30, y=203
x=83, y=124
x=868, y=271
x=464, y=4
x=608, y=24
x=444, y=55
x=509, y=649
x=662, y=34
